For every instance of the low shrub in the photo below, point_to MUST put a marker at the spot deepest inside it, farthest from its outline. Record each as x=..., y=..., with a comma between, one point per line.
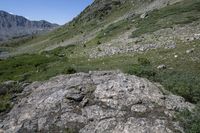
x=143, y=61
x=185, y=84
x=69, y=70
x=5, y=103
x=142, y=71
x=98, y=42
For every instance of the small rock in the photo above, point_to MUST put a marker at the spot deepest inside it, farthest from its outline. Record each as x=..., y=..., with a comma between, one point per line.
x=190, y=51
x=175, y=56
x=197, y=36
x=10, y=82
x=74, y=95
x=138, y=108
x=61, y=55
x=169, y=114
x=177, y=127
x=144, y=15
x=170, y=46
x=41, y=123
x=2, y=131
x=190, y=39
x=162, y=66
x=1, y=125
x=84, y=102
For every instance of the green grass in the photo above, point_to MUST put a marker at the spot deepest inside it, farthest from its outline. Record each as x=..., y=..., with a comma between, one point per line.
x=80, y=25
x=17, y=42
x=7, y=91
x=190, y=121
x=113, y=30
x=185, y=84
x=69, y=130
x=5, y=103
x=180, y=13
x=21, y=67
x=183, y=79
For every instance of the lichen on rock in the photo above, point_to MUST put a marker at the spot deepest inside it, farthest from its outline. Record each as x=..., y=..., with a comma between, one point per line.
x=108, y=101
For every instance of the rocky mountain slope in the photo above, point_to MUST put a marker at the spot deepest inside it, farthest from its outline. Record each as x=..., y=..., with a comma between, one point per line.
x=157, y=40
x=99, y=102
x=95, y=18
x=13, y=26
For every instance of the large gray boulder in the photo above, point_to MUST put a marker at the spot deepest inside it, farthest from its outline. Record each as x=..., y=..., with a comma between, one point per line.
x=100, y=102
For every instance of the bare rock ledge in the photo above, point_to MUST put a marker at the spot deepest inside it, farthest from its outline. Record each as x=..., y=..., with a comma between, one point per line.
x=95, y=102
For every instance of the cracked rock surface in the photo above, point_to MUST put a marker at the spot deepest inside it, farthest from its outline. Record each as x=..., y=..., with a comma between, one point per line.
x=95, y=102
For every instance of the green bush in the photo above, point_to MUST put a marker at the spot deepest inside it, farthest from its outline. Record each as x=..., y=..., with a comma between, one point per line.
x=143, y=61
x=143, y=68
x=185, y=84
x=98, y=42
x=5, y=103
x=69, y=130
x=69, y=70
x=13, y=87
x=142, y=71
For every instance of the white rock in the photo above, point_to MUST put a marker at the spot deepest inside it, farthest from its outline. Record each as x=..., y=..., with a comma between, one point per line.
x=138, y=108
x=190, y=51
x=162, y=66
x=144, y=15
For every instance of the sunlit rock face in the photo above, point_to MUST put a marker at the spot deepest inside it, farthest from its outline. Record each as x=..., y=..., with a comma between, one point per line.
x=100, y=102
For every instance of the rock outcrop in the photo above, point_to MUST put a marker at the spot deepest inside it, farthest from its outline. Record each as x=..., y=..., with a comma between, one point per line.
x=100, y=102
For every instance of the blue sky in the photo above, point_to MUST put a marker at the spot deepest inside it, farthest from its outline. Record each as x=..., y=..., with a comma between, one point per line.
x=55, y=11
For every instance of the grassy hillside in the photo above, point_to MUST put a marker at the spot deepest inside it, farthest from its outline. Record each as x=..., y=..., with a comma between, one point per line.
x=180, y=13
x=92, y=19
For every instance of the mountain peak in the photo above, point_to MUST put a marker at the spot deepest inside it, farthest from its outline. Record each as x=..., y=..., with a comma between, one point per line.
x=14, y=26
